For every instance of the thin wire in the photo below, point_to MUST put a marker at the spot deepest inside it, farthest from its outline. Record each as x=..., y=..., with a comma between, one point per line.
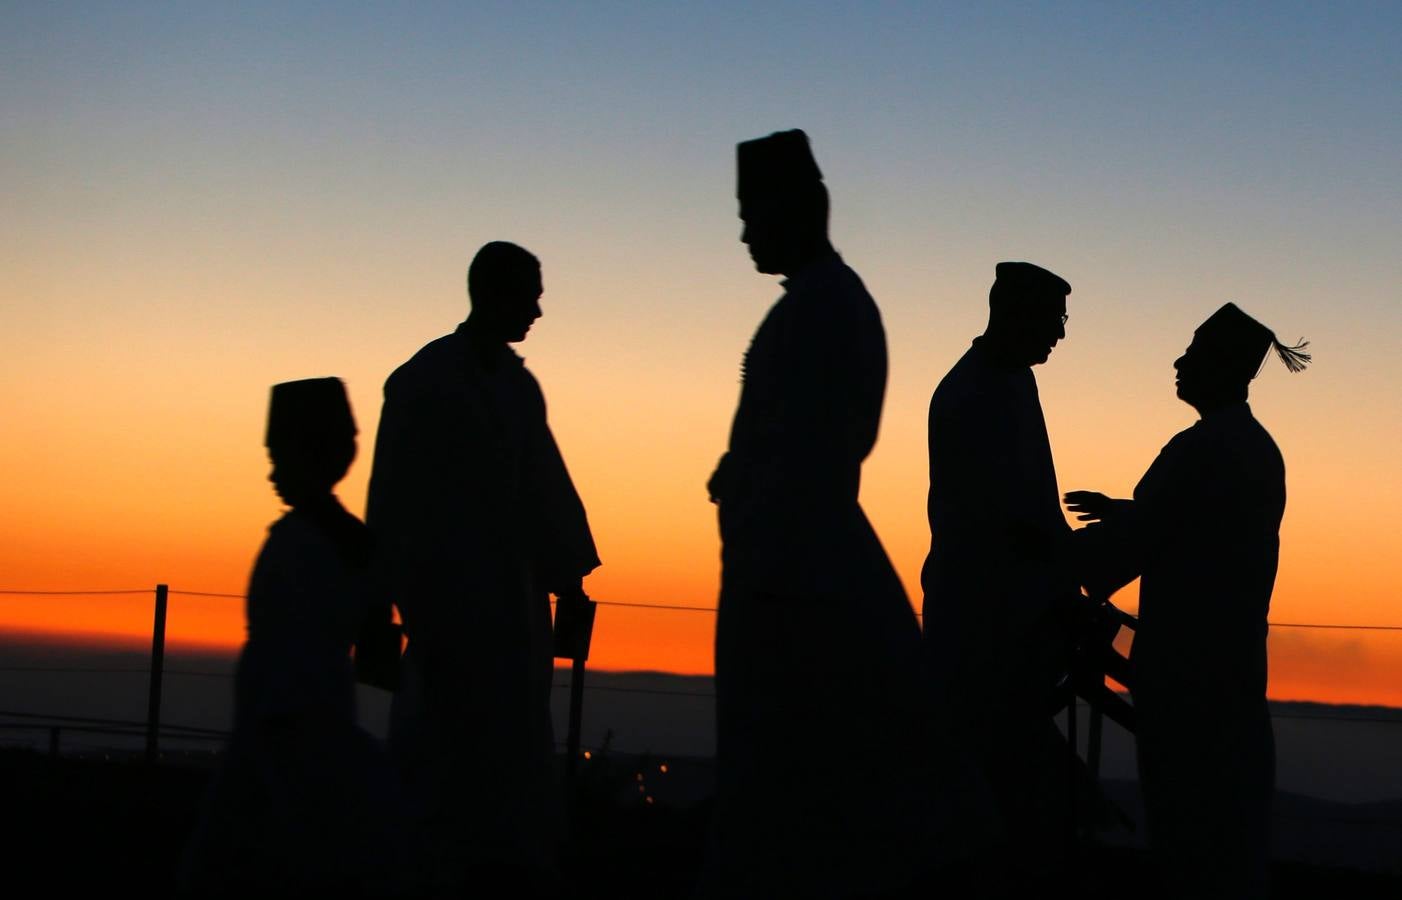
x=68, y=670
x=75, y=593
x=655, y=606
x=664, y=606
x=628, y=690
x=1312, y=625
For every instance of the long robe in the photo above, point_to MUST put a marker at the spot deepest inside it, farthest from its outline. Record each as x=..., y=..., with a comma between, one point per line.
x=1204, y=531
x=305, y=799
x=819, y=726
x=478, y=519
x=992, y=581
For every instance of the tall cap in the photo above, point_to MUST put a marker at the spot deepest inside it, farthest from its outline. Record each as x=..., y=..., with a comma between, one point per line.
x=309, y=412
x=775, y=166
x=1025, y=276
x=1241, y=341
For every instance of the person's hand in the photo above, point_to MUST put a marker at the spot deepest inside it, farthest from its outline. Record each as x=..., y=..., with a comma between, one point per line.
x=571, y=588
x=1090, y=506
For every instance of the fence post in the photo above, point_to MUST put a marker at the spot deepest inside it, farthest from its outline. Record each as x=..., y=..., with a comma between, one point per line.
x=576, y=714
x=158, y=651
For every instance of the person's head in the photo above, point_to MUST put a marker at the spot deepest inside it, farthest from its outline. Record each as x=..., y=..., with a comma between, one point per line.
x=310, y=439
x=1026, y=312
x=783, y=202
x=504, y=288
x=1225, y=354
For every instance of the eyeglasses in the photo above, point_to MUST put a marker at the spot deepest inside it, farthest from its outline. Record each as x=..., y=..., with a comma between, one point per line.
x=1065, y=317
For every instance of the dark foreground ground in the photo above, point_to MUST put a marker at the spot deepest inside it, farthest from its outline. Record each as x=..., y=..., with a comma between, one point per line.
x=97, y=828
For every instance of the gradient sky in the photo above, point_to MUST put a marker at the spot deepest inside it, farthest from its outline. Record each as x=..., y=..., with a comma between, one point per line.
x=202, y=202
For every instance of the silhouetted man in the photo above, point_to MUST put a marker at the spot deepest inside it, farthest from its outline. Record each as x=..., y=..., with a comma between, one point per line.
x=306, y=802
x=994, y=574
x=1203, y=533
x=817, y=648
x=479, y=522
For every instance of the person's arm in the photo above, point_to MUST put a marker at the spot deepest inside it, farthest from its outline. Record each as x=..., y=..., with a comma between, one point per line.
x=1094, y=507
x=563, y=545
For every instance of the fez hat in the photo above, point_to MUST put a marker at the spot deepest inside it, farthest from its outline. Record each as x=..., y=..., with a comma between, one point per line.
x=1241, y=342
x=1025, y=277
x=775, y=167
x=310, y=412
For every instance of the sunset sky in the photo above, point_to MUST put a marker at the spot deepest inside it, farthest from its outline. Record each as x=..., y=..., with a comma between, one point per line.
x=202, y=202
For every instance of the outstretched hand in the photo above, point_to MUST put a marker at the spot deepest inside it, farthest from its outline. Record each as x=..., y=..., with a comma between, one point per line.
x=1090, y=506
x=570, y=588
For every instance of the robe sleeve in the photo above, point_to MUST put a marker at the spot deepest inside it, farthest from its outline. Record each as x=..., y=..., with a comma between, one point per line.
x=562, y=546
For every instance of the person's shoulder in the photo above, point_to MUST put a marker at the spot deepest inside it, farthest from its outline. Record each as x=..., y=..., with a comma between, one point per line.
x=846, y=277
x=1249, y=437
x=833, y=297
x=294, y=528
x=842, y=286
x=293, y=542
x=967, y=379
x=426, y=366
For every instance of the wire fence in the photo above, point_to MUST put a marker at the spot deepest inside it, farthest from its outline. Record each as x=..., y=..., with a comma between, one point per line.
x=154, y=729
x=174, y=592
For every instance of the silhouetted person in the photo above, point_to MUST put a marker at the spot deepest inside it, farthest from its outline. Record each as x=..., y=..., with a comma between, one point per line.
x=994, y=575
x=479, y=522
x=306, y=802
x=1203, y=533
x=817, y=648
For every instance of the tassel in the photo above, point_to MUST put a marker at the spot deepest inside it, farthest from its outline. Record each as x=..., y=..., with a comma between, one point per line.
x=1295, y=358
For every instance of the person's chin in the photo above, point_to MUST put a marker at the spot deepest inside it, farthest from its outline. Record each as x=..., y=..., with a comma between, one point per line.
x=763, y=266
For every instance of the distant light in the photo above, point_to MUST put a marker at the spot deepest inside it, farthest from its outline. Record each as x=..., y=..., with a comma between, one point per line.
x=642, y=789
x=640, y=776
x=649, y=801
x=662, y=768
x=586, y=754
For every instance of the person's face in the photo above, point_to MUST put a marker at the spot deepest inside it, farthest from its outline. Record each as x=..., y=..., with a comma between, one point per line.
x=516, y=306
x=1195, y=380
x=767, y=241
x=301, y=473
x=1042, y=327
x=295, y=478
